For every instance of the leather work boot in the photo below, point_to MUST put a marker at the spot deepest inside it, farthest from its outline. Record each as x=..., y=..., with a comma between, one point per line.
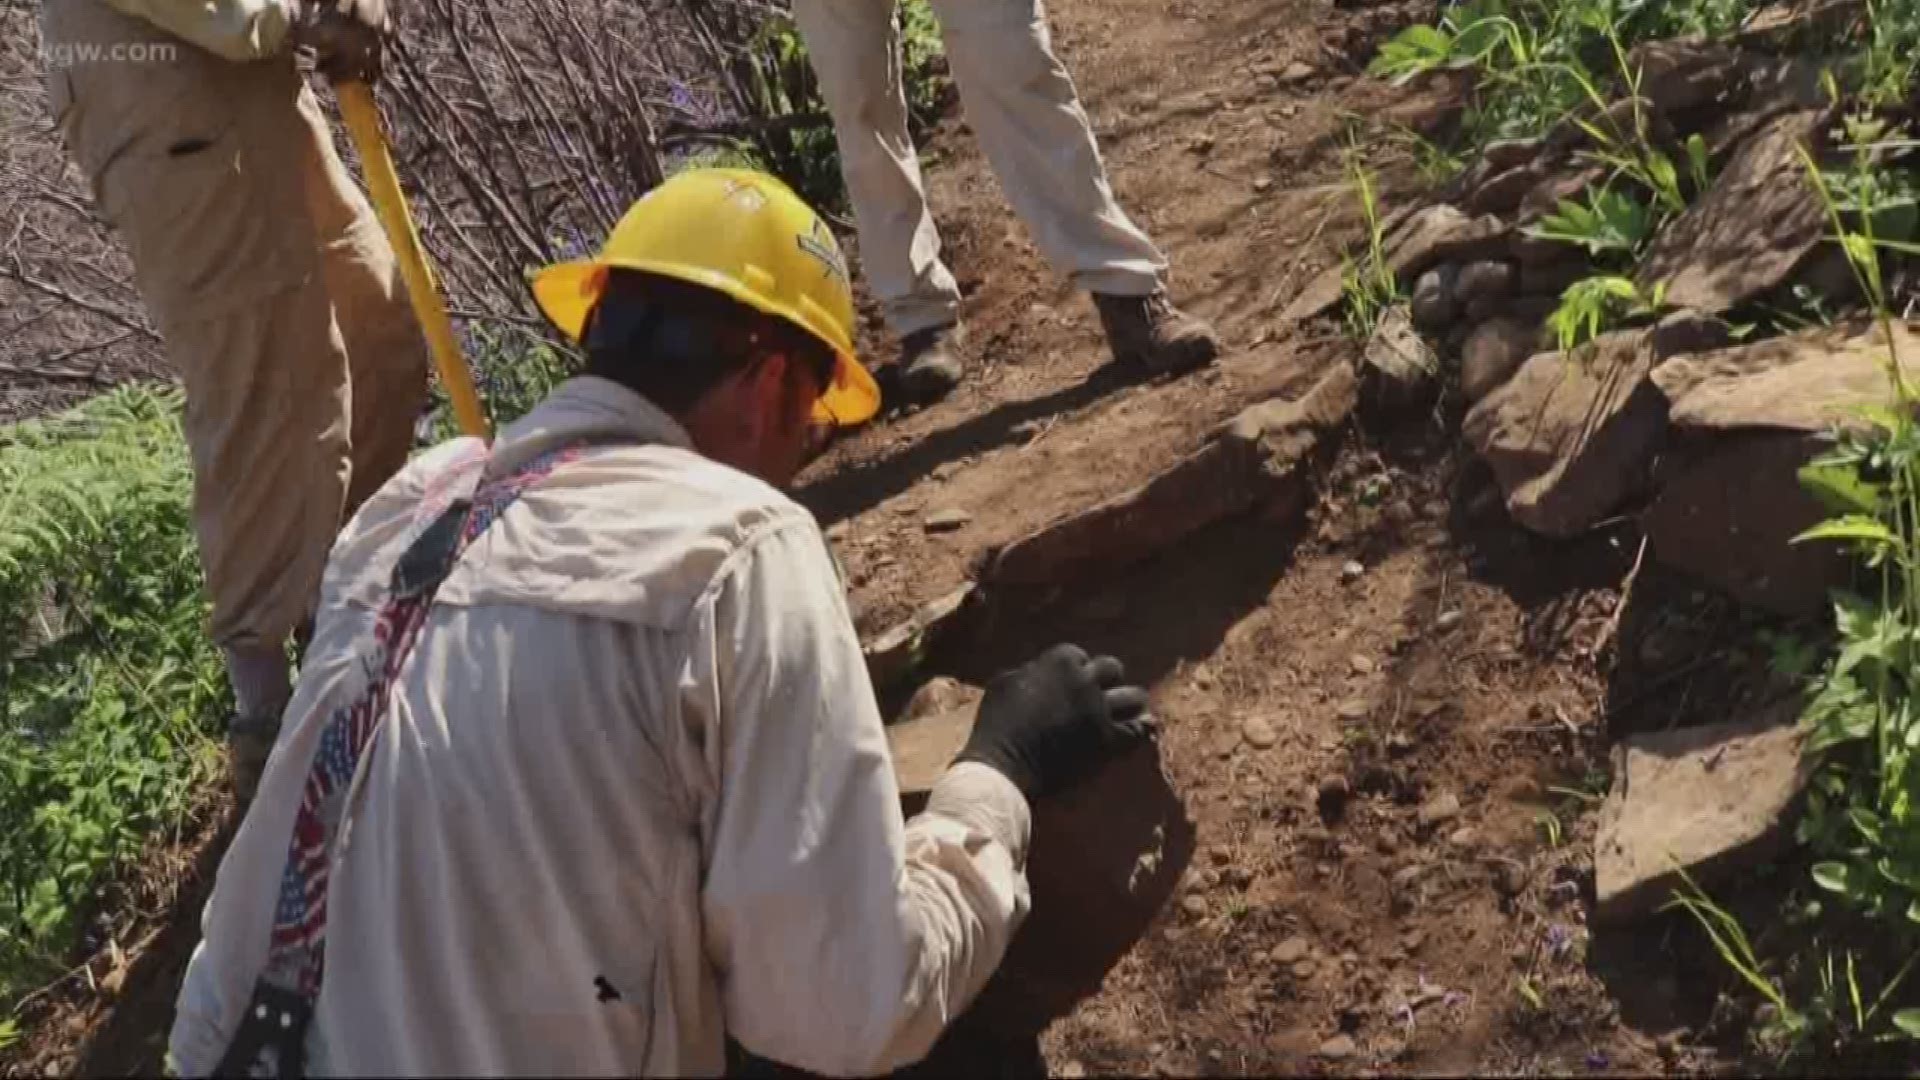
x=249, y=744
x=1150, y=332
x=930, y=363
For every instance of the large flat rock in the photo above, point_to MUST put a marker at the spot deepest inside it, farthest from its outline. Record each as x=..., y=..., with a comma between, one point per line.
x=1728, y=511
x=1807, y=382
x=1572, y=435
x=1743, y=421
x=1253, y=458
x=1710, y=800
x=1744, y=237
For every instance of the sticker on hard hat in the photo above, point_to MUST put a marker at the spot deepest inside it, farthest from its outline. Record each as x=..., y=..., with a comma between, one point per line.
x=820, y=245
x=749, y=197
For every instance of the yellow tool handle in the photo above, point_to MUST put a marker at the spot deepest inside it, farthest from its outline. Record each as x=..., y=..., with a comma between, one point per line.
x=363, y=123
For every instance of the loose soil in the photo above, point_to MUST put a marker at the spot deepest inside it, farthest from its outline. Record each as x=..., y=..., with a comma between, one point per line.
x=1375, y=887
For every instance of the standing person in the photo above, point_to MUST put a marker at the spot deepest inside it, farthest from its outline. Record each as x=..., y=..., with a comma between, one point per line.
x=1022, y=106
x=591, y=718
x=267, y=275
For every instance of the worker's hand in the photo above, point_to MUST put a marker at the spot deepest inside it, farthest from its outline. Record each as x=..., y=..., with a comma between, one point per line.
x=1052, y=721
x=345, y=35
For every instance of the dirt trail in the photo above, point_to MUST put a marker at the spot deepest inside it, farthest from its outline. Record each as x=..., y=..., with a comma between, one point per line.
x=1372, y=883
x=1372, y=888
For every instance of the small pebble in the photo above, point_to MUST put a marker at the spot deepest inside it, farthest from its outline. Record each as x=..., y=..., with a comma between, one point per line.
x=1303, y=969
x=1263, y=185
x=1195, y=906
x=1338, y=1048
x=1442, y=807
x=1291, y=951
x=1258, y=733
x=1511, y=880
x=1449, y=620
x=1352, y=571
x=947, y=521
x=1361, y=664
x=1354, y=709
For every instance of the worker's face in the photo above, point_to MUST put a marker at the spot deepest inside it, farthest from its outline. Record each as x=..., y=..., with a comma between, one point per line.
x=761, y=420
x=793, y=437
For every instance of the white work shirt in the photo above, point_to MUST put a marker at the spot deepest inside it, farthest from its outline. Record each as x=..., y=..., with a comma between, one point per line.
x=632, y=794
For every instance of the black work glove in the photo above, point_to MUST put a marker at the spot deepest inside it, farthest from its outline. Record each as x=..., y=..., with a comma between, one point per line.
x=345, y=35
x=1052, y=721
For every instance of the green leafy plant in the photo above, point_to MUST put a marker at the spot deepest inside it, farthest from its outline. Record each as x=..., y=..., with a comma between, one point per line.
x=1862, y=721
x=1836, y=1012
x=1889, y=195
x=1533, y=61
x=1468, y=34
x=1884, y=67
x=1735, y=949
x=1607, y=222
x=1630, y=151
x=1698, y=18
x=110, y=693
x=1551, y=831
x=1435, y=164
x=1369, y=285
x=1598, y=303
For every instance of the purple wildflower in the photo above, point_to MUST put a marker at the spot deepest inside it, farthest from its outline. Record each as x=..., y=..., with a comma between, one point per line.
x=1597, y=1060
x=1559, y=940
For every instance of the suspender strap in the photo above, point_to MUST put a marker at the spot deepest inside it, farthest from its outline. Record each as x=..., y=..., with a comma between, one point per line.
x=272, y=1036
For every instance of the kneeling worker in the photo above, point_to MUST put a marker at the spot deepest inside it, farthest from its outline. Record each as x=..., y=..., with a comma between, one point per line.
x=584, y=773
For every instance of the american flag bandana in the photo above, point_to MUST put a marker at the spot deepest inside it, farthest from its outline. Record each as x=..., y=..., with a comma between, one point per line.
x=272, y=1034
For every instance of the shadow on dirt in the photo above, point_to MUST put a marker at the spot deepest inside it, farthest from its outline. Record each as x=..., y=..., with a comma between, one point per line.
x=860, y=487
x=1172, y=608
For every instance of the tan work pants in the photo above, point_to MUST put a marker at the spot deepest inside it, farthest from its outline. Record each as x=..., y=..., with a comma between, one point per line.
x=1023, y=108
x=269, y=279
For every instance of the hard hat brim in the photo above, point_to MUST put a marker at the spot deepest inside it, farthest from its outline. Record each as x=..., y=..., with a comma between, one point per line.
x=568, y=291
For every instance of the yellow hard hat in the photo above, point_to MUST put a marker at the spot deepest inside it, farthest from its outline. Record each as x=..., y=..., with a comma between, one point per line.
x=747, y=235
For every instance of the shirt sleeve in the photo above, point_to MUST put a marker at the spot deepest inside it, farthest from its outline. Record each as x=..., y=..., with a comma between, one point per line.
x=230, y=29
x=845, y=938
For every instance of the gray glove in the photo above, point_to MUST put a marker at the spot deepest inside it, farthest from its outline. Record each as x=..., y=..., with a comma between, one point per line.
x=345, y=36
x=1049, y=723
